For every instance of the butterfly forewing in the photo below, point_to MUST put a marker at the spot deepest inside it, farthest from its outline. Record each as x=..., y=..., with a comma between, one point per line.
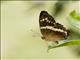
x=45, y=19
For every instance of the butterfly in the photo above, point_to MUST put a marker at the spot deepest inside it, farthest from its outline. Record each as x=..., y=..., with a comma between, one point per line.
x=50, y=29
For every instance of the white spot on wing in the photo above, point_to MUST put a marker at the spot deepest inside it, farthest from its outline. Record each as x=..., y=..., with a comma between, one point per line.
x=49, y=21
x=41, y=20
x=46, y=18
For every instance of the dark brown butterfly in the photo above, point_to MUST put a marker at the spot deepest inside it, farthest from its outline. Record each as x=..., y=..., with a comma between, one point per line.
x=50, y=29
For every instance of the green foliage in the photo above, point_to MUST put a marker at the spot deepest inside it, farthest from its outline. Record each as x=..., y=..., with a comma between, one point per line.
x=71, y=42
x=75, y=15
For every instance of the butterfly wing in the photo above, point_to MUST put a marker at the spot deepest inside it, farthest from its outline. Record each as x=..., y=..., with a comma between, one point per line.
x=45, y=19
x=51, y=30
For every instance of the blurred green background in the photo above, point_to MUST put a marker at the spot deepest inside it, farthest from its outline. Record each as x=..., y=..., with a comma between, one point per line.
x=18, y=18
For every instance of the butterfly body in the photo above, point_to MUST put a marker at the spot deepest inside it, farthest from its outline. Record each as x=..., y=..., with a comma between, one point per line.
x=50, y=29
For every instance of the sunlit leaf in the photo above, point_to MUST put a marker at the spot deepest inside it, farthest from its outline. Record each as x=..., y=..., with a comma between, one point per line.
x=69, y=43
x=75, y=15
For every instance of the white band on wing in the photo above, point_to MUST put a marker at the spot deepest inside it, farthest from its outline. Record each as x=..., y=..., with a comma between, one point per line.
x=54, y=29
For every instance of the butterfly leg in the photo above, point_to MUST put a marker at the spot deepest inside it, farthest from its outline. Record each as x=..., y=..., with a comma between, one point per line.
x=43, y=37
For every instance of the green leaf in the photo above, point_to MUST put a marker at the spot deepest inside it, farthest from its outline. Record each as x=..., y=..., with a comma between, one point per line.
x=75, y=15
x=69, y=43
